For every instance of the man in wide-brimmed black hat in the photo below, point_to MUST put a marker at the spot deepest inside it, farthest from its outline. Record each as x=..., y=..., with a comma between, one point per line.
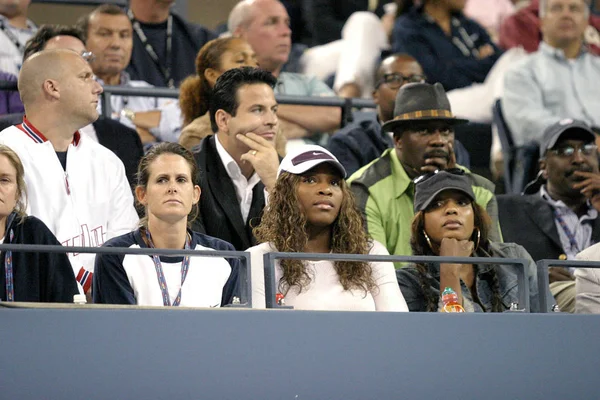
x=423, y=131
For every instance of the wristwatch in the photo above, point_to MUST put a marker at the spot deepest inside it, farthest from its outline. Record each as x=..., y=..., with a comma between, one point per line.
x=128, y=113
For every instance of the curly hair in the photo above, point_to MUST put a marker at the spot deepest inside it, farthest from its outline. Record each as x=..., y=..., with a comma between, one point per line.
x=284, y=225
x=195, y=91
x=420, y=247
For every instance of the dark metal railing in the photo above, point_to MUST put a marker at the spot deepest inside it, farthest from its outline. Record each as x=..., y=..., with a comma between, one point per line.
x=271, y=285
x=542, y=272
x=244, y=273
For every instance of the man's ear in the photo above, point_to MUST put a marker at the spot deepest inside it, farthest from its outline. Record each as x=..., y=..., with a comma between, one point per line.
x=376, y=96
x=542, y=165
x=51, y=88
x=222, y=120
x=398, y=141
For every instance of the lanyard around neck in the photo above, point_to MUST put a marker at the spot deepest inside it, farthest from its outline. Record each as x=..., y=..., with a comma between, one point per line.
x=162, y=282
x=8, y=271
x=12, y=37
x=164, y=68
x=567, y=231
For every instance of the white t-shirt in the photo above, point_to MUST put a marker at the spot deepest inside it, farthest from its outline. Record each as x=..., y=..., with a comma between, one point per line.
x=325, y=292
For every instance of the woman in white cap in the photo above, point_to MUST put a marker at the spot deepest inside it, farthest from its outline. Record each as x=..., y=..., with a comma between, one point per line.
x=312, y=210
x=448, y=222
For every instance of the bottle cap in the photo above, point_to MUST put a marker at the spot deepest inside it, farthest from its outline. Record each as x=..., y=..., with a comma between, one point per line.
x=79, y=299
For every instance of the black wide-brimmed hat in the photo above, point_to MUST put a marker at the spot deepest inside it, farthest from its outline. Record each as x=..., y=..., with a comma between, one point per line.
x=421, y=102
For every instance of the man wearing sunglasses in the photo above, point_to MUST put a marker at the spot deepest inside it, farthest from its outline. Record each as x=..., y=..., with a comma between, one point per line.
x=557, y=217
x=423, y=131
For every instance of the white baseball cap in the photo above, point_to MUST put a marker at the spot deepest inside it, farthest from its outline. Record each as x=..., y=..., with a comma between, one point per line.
x=301, y=159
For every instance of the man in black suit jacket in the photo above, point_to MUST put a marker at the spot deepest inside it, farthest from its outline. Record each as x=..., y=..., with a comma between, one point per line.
x=557, y=217
x=239, y=163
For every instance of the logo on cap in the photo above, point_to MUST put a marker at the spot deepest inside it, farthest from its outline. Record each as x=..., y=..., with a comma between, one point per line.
x=309, y=156
x=566, y=121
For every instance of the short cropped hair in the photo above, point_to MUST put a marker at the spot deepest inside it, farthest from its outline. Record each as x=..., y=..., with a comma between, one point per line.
x=225, y=91
x=43, y=35
x=83, y=24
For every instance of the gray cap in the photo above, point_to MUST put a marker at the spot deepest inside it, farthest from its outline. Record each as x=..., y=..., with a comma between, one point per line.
x=428, y=188
x=556, y=130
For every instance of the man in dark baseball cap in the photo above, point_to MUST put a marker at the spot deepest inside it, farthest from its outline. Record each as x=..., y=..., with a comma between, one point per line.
x=556, y=218
x=423, y=130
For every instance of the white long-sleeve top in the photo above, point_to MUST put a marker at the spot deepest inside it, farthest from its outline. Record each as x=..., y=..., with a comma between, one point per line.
x=325, y=292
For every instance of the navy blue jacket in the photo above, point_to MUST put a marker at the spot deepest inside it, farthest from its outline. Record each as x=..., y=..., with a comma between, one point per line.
x=442, y=61
x=188, y=39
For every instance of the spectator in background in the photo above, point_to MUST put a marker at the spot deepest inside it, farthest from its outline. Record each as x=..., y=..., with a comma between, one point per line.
x=28, y=276
x=10, y=101
x=557, y=81
x=108, y=35
x=168, y=191
x=522, y=29
x=264, y=24
x=452, y=49
x=423, y=128
x=321, y=217
x=75, y=186
x=363, y=141
x=490, y=14
x=558, y=217
x=215, y=57
x=15, y=31
x=587, y=283
x=120, y=139
x=238, y=163
x=449, y=222
x=326, y=18
x=164, y=44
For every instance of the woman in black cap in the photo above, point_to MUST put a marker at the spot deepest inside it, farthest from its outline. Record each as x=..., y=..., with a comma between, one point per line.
x=448, y=222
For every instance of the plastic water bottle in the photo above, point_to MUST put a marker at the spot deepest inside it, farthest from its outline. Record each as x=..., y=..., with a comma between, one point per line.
x=450, y=300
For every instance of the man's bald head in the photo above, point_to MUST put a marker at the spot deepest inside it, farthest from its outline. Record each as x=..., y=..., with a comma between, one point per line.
x=47, y=65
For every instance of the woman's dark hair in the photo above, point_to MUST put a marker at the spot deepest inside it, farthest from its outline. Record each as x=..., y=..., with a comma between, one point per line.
x=195, y=91
x=143, y=172
x=420, y=247
x=284, y=225
x=224, y=96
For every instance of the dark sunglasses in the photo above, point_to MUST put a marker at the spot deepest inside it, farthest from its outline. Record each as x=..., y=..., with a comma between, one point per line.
x=424, y=177
x=568, y=151
x=394, y=81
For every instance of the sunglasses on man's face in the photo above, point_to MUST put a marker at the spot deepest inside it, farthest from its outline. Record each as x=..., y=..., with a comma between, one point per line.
x=394, y=81
x=424, y=177
x=568, y=151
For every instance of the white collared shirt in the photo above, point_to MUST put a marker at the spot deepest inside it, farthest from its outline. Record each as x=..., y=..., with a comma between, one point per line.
x=243, y=187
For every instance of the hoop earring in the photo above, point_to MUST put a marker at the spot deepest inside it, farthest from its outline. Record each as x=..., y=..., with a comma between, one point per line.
x=428, y=240
x=478, y=239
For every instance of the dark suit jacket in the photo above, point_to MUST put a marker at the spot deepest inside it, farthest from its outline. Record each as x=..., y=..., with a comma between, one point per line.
x=220, y=214
x=120, y=139
x=123, y=141
x=529, y=221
